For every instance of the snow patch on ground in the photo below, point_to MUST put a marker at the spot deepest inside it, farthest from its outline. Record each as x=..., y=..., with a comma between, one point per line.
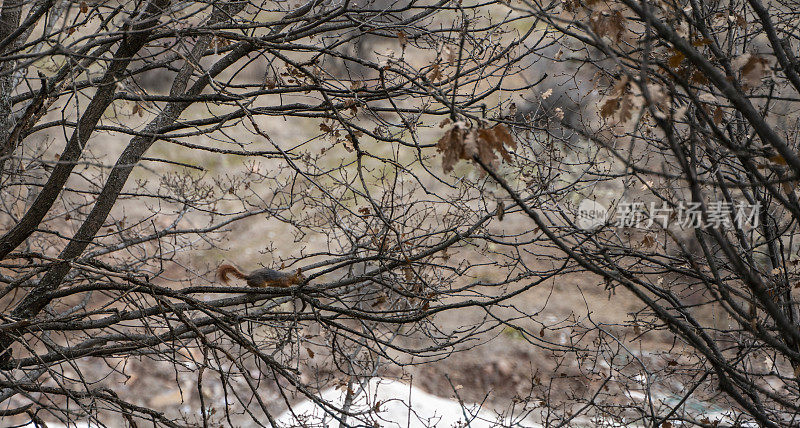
x=395, y=404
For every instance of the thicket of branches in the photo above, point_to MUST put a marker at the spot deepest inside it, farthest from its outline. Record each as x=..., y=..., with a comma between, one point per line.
x=421, y=144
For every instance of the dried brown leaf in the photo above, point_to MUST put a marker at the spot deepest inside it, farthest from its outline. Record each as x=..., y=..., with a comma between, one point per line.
x=461, y=143
x=435, y=73
x=609, y=107
x=402, y=38
x=718, y=115
x=778, y=159
x=676, y=59
x=501, y=210
x=626, y=108
x=451, y=145
x=752, y=68
x=699, y=77
x=611, y=24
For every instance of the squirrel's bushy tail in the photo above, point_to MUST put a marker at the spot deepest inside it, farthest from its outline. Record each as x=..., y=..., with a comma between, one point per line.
x=225, y=269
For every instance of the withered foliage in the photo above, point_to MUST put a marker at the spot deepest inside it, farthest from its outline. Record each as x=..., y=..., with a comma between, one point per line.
x=461, y=142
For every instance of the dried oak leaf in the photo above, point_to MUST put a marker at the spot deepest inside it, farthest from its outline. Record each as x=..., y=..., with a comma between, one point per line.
x=494, y=140
x=676, y=59
x=435, y=73
x=718, y=115
x=486, y=145
x=611, y=24
x=451, y=145
x=609, y=107
x=699, y=78
x=752, y=68
x=626, y=108
x=615, y=98
x=403, y=39
x=459, y=143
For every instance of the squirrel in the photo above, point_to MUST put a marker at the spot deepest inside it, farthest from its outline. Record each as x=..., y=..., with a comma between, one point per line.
x=261, y=277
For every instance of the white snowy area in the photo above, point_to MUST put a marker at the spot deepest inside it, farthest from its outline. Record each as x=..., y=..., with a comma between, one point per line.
x=390, y=403
x=395, y=404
